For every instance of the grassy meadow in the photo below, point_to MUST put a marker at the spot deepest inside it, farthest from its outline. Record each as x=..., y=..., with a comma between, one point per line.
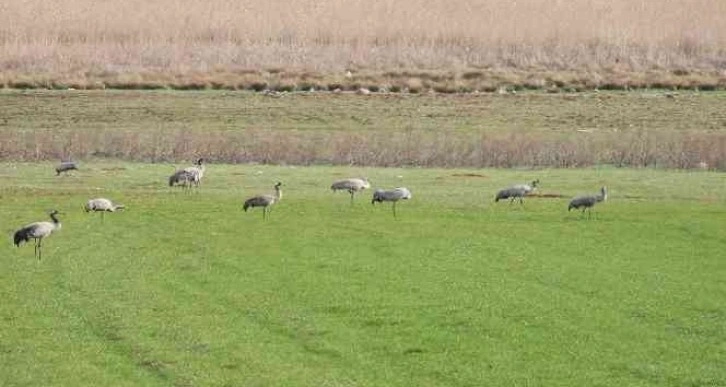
x=452, y=100
x=187, y=289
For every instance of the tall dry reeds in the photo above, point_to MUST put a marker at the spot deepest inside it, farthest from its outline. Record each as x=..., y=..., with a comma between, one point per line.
x=233, y=44
x=637, y=148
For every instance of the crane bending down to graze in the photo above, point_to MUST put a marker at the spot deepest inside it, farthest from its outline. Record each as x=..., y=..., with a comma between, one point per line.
x=351, y=185
x=37, y=231
x=65, y=166
x=518, y=191
x=264, y=201
x=188, y=176
x=103, y=206
x=181, y=178
x=587, y=202
x=393, y=196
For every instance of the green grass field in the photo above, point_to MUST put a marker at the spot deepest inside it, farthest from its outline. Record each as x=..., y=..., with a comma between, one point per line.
x=187, y=289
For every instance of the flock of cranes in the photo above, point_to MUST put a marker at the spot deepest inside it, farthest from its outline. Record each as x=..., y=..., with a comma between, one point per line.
x=192, y=177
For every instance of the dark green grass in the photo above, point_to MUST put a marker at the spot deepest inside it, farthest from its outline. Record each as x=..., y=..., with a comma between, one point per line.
x=187, y=289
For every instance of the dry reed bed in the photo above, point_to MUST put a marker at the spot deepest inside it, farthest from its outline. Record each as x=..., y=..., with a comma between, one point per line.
x=422, y=81
x=637, y=148
x=412, y=45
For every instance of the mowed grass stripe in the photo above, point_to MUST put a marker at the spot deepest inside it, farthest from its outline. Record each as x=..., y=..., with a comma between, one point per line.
x=189, y=289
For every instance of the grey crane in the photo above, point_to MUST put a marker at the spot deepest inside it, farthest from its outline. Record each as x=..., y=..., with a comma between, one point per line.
x=103, y=206
x=588, y=201
x=394, y=195
x=528, y=188
x=351, y=185
x=264, y=201
x=196, y=171
x=65, y=166
x=181, y=178
x=37, y=231
x=517, y=191
x=189, y=176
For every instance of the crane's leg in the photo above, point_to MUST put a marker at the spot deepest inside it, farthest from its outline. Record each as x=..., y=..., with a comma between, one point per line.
x=394, y=210
x=351, y=196
x=264, y=213
x=40, y=248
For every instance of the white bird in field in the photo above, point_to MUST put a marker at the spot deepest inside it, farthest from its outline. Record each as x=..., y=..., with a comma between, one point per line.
x=37, y=231
x=103, y=206
x=393, y=196
x=264, y=201
x=352, y=185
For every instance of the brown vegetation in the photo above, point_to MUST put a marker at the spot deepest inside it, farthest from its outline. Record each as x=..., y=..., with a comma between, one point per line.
x=405, y=148
x=653, y=129
x=389, y=45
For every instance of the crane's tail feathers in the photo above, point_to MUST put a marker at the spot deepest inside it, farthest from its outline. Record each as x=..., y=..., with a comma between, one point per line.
x=22, y=235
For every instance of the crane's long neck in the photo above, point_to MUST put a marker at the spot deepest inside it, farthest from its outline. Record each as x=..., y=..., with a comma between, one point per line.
x=56, y=222
x=278, y=193
x=603, y=195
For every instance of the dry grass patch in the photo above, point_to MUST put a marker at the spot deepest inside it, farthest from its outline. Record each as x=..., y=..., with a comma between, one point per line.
x=670, y=130
x=467, y=45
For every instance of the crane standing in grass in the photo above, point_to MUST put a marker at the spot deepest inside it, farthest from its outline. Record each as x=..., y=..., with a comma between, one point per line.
x=588, y=201
x=37, y=231
x=518, y=191
x=352, y=185
x=394, y=195
x=65, y=166
x=103, y=206
x=264, y=201
x=196, y=172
